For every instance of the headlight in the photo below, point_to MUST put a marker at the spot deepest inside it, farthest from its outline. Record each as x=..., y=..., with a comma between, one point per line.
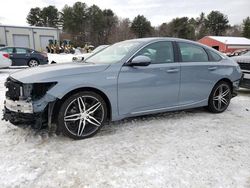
x=40, y=89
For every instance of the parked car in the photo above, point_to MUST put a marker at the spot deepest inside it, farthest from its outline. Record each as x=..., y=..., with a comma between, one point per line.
x=244, y=62
x=77, y=57
x=130, y=78
x=60, y=58
x=5, y=61
x=82, y=57
x=25, y=56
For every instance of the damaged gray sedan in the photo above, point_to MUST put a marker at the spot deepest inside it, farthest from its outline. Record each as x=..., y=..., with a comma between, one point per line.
x=130, y=78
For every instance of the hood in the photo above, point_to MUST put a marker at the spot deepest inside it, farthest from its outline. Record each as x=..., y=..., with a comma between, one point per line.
x=52, y=72
x=242, y=59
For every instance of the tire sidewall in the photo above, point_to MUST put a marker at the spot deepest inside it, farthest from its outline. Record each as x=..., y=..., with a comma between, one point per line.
x=211, y=106
x=33, y=60
x=61, y=128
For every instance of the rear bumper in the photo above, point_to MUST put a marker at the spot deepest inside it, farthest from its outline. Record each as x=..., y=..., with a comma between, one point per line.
x=44, y=61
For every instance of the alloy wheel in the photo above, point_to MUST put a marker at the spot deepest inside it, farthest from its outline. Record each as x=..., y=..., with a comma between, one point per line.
x=221, y=97
x=83, y=116
x=33, y=63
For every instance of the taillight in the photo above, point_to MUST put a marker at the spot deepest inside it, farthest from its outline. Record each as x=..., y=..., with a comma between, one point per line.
x=6, y=55
x=44, y=54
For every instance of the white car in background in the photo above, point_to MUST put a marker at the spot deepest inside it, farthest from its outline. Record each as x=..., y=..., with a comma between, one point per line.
x=81, y=57
x=77, y=57
x=5, y=61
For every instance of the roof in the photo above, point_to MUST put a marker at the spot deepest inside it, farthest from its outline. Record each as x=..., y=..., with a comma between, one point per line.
x=231, y=40
x=31, y=27
x=152, y=39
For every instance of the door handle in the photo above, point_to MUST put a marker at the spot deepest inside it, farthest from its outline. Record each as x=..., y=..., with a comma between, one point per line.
x=172, y=70
x=212, y=68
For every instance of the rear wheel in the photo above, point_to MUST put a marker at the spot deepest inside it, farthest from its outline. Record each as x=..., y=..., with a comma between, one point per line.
x=33, y=63
x=220, y=97
x=82, y=115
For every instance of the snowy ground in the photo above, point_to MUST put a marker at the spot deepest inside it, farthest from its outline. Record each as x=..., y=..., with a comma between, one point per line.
x=181, y=149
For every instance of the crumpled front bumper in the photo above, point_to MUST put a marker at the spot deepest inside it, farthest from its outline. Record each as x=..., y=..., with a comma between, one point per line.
x=19, y=119
x=19, y=106
x=23, y=113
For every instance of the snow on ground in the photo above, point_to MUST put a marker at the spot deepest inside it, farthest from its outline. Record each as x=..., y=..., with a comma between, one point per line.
x=180, y=149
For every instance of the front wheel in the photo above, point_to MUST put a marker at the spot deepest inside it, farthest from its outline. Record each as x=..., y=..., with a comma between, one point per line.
x=82, y=115
x=220, y=97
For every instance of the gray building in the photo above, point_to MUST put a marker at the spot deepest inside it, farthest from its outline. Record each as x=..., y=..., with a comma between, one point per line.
x=27, y=36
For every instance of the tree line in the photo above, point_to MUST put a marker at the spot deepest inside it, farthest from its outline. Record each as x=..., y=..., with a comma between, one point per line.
x=97, y=26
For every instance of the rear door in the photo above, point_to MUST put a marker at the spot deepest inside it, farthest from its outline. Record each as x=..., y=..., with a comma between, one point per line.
x=199, y=73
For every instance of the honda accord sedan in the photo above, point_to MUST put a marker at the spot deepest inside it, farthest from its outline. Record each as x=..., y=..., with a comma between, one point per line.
x=25, y=57
x=130, y=78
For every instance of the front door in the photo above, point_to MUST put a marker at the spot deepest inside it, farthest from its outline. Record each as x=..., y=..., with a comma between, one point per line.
x=153, y=87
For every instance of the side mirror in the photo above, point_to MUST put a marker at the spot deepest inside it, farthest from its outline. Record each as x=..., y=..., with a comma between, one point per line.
x=140, y=60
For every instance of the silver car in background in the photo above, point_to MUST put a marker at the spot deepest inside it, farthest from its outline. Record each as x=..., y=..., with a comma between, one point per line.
x=5, y=61
x=244, y=63
x=130, y=78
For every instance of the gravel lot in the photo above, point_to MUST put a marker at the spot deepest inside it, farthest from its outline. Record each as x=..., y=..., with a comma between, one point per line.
x=181, y=149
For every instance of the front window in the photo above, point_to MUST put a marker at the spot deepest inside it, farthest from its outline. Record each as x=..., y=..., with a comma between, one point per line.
x=114, y=53
x=159, y=52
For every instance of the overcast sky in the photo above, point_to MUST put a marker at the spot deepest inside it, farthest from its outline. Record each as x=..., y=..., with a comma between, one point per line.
x=14, y=12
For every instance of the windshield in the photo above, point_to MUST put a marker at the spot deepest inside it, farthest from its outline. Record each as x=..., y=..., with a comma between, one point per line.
x=113, y=53
x=99, y=48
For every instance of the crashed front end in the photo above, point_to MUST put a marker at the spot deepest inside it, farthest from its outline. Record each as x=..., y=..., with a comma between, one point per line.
x=28, y=104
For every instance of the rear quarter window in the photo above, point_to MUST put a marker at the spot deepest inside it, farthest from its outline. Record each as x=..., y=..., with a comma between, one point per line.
x=214, y=56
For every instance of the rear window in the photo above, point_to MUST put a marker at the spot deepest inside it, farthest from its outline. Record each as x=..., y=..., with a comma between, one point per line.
x=20, y=51
x=7, y=50
x=192, y=53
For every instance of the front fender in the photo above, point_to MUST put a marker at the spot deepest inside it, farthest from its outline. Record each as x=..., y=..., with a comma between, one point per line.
x=105, y=85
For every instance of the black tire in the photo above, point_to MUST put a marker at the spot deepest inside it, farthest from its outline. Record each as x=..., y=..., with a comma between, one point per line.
x=220, y=97
x=85, y=124
x=33, y=63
